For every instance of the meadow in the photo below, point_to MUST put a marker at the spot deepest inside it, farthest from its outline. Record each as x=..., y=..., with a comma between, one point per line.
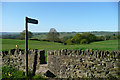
x=8, y=44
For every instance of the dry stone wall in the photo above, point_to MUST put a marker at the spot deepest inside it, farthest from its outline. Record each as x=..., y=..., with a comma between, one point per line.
x=67, y=63
x=83, y=64
x=16, y=58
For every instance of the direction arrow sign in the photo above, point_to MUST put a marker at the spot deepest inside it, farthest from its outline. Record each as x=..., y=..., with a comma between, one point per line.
x=29, y=20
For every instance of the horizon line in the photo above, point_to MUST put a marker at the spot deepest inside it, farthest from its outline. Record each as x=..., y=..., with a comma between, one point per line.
x=64, y=31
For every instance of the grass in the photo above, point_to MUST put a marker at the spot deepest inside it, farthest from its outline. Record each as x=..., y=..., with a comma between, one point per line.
x=8, y=44
x=12, y=73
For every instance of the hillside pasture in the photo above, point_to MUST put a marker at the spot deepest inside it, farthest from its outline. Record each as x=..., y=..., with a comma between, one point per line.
x=8, y=44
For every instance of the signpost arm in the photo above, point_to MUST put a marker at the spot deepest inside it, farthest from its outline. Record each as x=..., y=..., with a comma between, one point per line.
x=26, y=46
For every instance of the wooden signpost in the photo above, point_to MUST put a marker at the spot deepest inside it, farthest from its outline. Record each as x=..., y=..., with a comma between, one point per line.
x=33, y=21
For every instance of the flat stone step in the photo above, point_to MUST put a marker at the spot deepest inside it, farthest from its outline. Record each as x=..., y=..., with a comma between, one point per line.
x=42, y=69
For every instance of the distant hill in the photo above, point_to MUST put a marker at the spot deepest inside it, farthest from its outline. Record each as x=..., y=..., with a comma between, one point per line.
x=43, y=35
x=9, y=33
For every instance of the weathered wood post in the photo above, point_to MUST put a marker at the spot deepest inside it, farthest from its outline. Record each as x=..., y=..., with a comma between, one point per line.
x=33, y=21
x=26, y=46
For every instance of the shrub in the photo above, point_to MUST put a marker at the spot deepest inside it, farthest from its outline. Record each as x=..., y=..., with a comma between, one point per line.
x=69, y=42
x=76, y=39
x=84, y=38
x=84, y=41
x=89, y=37
x=113, y=37
x=22, y=35
x=13, y=73
x=100, y=38
x=63, y=39
x=9, y=72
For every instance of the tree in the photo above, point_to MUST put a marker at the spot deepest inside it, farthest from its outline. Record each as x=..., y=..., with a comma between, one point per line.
x=113, y=37
x=69, y=41
x=22, y=34
x=63, y=39
x=84, y=41
x=100, y=38
x=89, y=37
x=84, y=38
x=76, y=39
x=53, y=35
x=107, y=37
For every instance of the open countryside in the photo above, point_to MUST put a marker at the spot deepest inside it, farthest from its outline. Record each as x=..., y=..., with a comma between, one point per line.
x=60, y=40
x=8, y=44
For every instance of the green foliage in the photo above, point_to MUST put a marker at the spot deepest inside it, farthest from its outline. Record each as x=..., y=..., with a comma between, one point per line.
x=100, y=38
x=77, y=38
x=84, y=38
x=9, y=72
x=113, y=37
x=84, y=41
x=69, y=42
x=38, y=77
x=12, y=73
x=89, y=37
x=53, y=36
x=22, y=34
x=63, y=39
x=11, y=36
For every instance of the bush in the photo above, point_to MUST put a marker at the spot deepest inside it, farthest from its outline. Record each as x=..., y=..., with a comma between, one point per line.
x=84, y=38
x=76, y=39
x=113, y=37
x=84, y=41
x=9, y=72
x=100, y=38
x=13, y=73
x=69, y=42
x=22, y=35
x=89, y=37
x=63, y=39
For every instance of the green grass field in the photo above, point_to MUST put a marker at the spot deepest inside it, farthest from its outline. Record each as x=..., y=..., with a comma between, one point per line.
x=8, y=44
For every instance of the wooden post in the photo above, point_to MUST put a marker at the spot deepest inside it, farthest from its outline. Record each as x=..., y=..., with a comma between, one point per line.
x=26, y=46
x=33, y=21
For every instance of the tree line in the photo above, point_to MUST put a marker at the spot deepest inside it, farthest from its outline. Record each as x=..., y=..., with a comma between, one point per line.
x=54, y=36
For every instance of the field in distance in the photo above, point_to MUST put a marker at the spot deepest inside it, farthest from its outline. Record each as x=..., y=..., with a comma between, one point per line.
x=8, y=44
